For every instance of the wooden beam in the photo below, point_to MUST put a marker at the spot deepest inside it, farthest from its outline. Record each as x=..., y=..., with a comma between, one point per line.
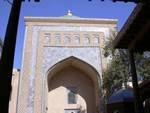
x=138, y=100
x=7, y=58
x=139, y=37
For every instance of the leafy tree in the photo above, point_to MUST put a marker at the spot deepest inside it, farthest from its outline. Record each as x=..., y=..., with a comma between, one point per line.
x=143, y=65
x=118, y=69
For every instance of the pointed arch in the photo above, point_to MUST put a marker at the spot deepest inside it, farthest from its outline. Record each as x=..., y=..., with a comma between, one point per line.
x=75, y=62
x=79, y=64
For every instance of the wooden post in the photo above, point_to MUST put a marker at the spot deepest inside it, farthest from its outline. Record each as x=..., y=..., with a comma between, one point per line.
x=7, y=58
x=138, y=100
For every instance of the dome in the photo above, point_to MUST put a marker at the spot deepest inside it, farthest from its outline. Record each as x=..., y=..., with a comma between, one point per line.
x=122, y=95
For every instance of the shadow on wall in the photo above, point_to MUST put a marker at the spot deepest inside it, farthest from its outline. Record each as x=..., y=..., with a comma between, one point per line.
x=71, y=77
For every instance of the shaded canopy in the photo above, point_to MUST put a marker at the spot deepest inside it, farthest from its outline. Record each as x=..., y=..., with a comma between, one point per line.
x=135, y=33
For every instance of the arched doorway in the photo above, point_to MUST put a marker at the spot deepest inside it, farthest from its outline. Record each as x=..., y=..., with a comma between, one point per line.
x=72, y=87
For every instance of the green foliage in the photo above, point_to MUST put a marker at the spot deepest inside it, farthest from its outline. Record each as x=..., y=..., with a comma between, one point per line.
x=143, y=66
x=118, y=69
x=115, y=74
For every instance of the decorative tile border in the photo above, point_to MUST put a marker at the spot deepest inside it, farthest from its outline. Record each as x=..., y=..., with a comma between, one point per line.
x=89, y=55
